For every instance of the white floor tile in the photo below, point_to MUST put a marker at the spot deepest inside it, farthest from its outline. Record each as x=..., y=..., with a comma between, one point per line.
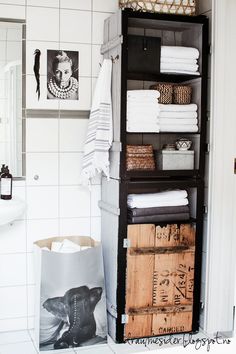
x=14, y=337
x=13, y=324
x=22, y=348
x=128, y=348
x=102, y=349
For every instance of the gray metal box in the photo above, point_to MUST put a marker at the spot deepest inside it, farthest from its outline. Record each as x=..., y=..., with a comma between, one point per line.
x=175, y=160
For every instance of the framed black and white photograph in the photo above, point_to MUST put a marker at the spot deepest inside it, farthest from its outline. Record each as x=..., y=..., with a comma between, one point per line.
x=62, y=74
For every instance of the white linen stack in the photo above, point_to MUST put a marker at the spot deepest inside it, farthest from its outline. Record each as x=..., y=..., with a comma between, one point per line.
x=143, y=111
x=175, y=59
x=178, y=118
x=162, y=199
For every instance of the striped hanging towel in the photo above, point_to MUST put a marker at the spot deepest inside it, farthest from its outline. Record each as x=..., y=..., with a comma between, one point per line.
x=100, y=130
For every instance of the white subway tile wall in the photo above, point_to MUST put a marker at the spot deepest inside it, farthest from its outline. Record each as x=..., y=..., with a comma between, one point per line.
x=57, y=203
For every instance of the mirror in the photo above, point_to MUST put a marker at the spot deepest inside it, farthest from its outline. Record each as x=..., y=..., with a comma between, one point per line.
x=11, y=35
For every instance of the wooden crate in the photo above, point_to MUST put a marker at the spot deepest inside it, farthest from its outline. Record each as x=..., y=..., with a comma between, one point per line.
x=160, y=279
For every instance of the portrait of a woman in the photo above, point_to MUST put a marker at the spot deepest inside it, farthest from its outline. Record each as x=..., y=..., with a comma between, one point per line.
x=62, y=75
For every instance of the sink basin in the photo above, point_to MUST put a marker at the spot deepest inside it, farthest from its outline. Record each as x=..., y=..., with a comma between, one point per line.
x=11, y=210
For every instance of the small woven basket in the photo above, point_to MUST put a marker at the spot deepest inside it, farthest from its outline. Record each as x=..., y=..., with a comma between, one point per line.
x=182, y=94
x=181, y=7
x=140, y=157
x=166, y=92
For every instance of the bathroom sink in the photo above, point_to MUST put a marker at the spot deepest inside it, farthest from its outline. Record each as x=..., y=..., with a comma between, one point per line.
x=11, y=210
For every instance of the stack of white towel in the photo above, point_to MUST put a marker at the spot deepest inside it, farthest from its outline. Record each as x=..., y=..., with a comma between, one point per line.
x=161, y=199
x=143, y=111
x=175, y=59
x=178, y=118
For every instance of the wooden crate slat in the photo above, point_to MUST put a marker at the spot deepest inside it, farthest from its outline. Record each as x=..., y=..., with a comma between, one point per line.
x=142, y=235
x=172, y=323
x=140, y=268
x=138, y=326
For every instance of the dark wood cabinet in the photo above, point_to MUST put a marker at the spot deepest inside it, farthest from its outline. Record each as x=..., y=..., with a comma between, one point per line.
x=118, y=249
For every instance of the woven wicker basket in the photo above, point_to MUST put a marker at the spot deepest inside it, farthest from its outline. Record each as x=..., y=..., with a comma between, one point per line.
x=183, y=7
x=182, y=94
x=140, y=157
x=166, y=92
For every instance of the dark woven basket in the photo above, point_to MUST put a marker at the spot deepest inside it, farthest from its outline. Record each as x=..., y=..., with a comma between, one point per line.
x=166, y=92
x=182, y=94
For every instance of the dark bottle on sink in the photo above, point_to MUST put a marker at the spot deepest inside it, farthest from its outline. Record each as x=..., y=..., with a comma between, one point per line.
x=6, y=184
x=2, y=170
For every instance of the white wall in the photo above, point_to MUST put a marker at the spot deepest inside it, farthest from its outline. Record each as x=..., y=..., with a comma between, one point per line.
x=57, y=204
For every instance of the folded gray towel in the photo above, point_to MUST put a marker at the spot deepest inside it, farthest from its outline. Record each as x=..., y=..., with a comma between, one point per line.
x=158, y=218
x=158, y=210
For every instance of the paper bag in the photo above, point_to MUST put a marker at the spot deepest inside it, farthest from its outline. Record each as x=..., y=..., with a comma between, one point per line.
x=70, y=295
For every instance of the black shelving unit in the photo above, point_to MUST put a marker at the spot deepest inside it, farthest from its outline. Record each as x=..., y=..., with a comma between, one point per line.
x=194, y=32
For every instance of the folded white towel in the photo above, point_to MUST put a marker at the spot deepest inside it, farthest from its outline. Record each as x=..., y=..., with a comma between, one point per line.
x=179, y=66
x=142, y=127
x=153, y=204
x=174, y=121
x=185, y=72
x=179, y=52
x=138, y=94
x=179, y=128
x=178, y=115
x=178, y=107
x=166, y=198
x=147, y=115
x=179, y=61
x=100, y=129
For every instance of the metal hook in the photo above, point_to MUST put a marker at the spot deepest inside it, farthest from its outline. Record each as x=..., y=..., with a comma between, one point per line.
x=115, y=59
